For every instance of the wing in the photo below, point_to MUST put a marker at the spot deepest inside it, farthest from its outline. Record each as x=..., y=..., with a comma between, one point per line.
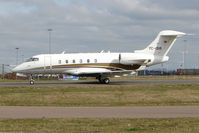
x=96, y=72
x=106, y=74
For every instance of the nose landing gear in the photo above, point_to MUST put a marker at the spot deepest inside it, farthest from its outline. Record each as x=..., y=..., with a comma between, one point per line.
x=32, y=82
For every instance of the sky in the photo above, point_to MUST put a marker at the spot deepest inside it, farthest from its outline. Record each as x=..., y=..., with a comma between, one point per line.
x=95, y=25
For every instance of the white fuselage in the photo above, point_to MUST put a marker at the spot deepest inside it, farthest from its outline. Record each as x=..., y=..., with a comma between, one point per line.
x=87, y=63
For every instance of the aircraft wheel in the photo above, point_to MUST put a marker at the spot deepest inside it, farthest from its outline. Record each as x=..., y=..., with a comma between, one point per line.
x=32, y=82
x=106, y=81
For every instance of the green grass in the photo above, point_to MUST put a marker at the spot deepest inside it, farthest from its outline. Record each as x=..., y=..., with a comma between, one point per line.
x=101, y=95
x=178, y=125
x=11, y=80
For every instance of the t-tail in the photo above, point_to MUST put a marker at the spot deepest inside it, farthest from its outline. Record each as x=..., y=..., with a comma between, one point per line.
x=162, y=44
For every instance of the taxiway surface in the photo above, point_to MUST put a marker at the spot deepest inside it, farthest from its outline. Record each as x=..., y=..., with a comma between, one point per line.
x=21, y=112
x=125, y=82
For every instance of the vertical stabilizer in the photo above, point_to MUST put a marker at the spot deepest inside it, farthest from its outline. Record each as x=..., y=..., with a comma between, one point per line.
x=162, y=44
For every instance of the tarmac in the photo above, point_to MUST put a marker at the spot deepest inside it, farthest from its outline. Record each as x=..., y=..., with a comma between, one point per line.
x=124, y=82
x=21, y=112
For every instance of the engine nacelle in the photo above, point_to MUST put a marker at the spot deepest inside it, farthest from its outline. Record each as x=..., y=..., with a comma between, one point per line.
x=158, y=60
x=134, y=59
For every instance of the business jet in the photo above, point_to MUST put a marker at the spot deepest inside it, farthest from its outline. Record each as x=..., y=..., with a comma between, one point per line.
x=101, y=65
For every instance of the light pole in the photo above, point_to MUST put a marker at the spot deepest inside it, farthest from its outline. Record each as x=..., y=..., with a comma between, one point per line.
x=22, y=58
x=49, y=40
x=162, y=69
x=17, y=55
x=3, y=71
x=184, y=54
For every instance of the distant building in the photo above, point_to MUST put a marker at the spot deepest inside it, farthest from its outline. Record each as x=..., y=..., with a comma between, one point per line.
x=165, y=72
x=152, y=72
x=188, y=71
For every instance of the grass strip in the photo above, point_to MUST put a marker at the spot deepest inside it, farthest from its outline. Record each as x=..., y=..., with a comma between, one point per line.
x=101, y=95
x=178, y=125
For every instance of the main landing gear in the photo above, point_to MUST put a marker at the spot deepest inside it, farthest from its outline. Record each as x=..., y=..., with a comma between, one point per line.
x=103, y=80
x=31, y=81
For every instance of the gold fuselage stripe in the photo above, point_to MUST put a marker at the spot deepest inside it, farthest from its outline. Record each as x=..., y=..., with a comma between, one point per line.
x=99, y=65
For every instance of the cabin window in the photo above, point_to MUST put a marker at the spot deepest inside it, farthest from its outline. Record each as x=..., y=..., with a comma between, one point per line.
x=32, y=59
x=59, y=61
x=88, y=60
x=95, y=60
x=35, y=59
x=80, y=61
x=66, y=61
x=73, y=61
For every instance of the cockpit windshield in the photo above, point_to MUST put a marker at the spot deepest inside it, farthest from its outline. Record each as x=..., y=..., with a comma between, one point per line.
x=32, y=59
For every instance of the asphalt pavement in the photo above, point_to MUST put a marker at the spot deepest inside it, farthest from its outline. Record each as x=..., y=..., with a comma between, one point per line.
x=21, y=112
x=121, y=82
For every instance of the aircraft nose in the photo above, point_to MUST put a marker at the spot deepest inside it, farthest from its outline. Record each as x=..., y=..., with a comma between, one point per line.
x=16, y=69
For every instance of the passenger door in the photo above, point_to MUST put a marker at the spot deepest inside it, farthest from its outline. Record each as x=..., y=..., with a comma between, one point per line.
x=47, y=64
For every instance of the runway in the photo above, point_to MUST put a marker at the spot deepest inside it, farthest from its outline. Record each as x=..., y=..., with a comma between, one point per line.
x=12, y=112
x=125, y=82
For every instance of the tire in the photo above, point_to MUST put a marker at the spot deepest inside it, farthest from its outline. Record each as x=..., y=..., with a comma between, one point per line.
x=106, y=81
x=32, y=82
